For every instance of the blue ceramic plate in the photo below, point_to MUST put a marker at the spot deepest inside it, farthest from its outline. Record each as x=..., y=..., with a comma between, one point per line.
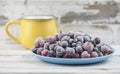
x=73, y=61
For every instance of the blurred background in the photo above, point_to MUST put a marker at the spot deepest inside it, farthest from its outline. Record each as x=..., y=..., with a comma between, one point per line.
x=99, y=18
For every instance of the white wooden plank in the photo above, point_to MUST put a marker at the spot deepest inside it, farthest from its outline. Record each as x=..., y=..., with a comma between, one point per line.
x=11, y=46
x=23, y=58
x=15, y=52
x=57, y=71
x=110, y=63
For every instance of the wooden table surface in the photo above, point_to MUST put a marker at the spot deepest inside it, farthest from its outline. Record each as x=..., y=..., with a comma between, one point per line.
x=14, y=59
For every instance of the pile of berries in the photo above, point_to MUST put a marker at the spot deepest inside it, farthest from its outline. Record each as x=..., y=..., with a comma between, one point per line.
x=71, y=45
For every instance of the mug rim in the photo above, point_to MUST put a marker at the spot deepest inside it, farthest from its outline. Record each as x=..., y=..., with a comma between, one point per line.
x=38, y=17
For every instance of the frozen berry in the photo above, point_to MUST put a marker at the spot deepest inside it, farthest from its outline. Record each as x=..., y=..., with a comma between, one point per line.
x=79, y=49
x=65, y=38
x=51, y=53
x=109, y=52
x=60, y=51
x=79, y=43
x=85, y=54
x=97, y=40
x=76, y=55
x=50, y=39
x=58, y=42
x=39, y=42
x=70, y=51
x=100, y=54
x=74, y=44
x=34, y=50
x=55, y=48
x=104, y=49
x=70, y=41
x=52, y=46
x=46, y=46
x=87, y=38
x=67, y=56
x=71, y=34
x=77, y=34
x=94, y=54
x=44, y=52
x=64, y=44
x=96, y=49
x=88, y=46
x=80, y=38
x=75, y=40
x=99, y=46
x=39, y=50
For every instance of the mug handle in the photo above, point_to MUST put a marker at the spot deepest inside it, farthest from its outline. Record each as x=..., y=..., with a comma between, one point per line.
x=16, y=22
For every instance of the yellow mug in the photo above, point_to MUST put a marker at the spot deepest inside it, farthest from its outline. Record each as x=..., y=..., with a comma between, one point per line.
x=32, y=27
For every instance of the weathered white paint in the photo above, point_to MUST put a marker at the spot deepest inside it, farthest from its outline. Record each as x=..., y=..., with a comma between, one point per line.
x=15, y=9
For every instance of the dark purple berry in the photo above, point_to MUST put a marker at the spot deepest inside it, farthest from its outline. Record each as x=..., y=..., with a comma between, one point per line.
x=97, y=40
x=71, y=34
x=76, y=55
x=104, y=49
x=67, y=56
x=70, y=41
x=99, y=46
x=87, y=38
x=52, y=46
x=60, y=51
x=34, y=50
x=58, y=42
x=55, y=48
x=50, y=39
x=70, y=51
x=44, y=52
x=39, y=50
x=65, y=38
x=85, y=54
x=77, y=34
x=79, y=43
x=74, y=44
x=64, y=44
x=109, y=52
x=39, y=42
x=51, y=53
x=75, y=40
x=94, y=54
x=96, y=49
x=88, y=46
x=80, y=38
x=100, y=54
x=46, y=46
x=79, y=49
